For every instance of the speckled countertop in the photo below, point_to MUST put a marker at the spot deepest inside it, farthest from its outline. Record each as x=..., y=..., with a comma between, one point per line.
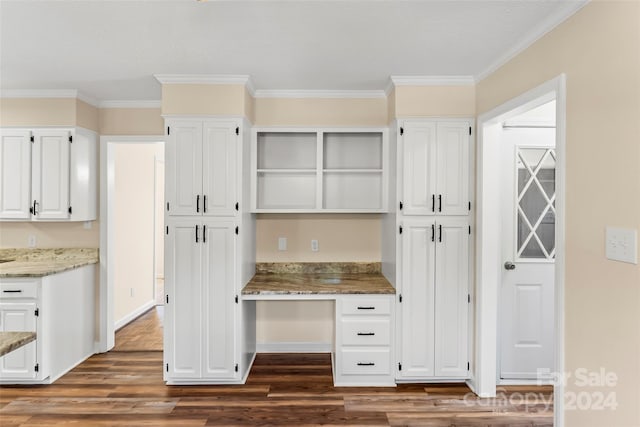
x=43, y=262
x=10, y=341
x=318, y=279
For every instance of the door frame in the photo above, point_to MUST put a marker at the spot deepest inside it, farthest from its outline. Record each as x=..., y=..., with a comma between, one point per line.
x=488, y=249
x=106, y=321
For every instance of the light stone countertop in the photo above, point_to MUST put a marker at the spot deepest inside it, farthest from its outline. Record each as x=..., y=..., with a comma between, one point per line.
x=318, y=279
x=10, y=341
x=43, y=262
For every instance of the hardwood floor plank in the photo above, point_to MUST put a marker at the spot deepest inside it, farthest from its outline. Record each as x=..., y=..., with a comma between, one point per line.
x=107, y=406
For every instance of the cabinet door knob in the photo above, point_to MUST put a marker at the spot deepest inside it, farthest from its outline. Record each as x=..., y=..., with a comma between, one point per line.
x=509, y=265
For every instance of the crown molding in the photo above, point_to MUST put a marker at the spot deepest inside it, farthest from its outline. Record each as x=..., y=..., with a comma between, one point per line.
x=212, y=79
x=569, y=9
x=352, y=94
x=48, y=93
x=130, y=104
x=430, y=81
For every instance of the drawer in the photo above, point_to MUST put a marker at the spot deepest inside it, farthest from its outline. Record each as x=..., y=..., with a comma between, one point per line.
x=365, y=362
x=366, y=305
x=18, y=290
x=366, y=332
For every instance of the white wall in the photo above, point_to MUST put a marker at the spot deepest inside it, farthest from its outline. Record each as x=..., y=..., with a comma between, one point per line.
x=134, y=231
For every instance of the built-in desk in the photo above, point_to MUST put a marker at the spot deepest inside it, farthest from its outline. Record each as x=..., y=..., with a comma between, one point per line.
x=364, y=313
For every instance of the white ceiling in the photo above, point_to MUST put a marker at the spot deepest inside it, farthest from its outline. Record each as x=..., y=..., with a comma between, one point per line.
x=110, y=49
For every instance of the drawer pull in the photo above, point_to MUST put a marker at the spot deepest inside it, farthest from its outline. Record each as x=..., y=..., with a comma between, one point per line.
x=366, y=364
x=366, y=308
x=366, y=334
x=13, y=291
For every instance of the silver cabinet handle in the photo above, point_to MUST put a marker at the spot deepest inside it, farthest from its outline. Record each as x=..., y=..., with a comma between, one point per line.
x=509, y=265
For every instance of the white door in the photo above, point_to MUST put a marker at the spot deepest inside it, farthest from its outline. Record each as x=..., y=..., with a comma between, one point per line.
x=452, y=182
x=419, y=168
x=527, y=315
x=20, y=363
x=451, y=297
x=183, y=300
x=50, y=175
x=218, y=299
x=184, y=168
x=219, y=154
x=418, y=305
x=15, y=174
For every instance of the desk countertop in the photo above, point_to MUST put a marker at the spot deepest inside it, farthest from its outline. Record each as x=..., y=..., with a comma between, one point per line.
x=317, y=283
x=10, y=341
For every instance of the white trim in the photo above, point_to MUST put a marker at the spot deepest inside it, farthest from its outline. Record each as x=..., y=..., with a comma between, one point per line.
x=212, y=79
x=432, y=81
x=106, y=292
x=488, y=254
x=569, y=9
x=130, y=104
x=294, y=347
x=134, y=314
x=48, y=93
x=350, y=94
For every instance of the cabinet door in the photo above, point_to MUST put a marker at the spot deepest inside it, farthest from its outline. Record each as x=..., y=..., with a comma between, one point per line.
x=218, y=299
x=451, y=293
x=183, y=319
x=15, y=174
x=20, y=363
x=184, y=168
x=219, y=154
x=419, y=168
x=417, y=307
x=50, y=174
x=453, y=168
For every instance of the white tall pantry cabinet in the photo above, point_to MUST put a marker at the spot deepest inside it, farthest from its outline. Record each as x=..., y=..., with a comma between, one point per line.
x=430, y=248
x=209, y=252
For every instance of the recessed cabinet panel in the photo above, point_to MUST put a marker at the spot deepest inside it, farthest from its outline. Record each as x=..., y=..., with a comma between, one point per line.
x=15, y=178
x=219, y=187
x=453, y=168
x=184, y=168
x=419, y=176
x=50, y=175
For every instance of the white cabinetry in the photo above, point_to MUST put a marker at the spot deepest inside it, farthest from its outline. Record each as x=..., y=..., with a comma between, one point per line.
x=435, y=292
x=209, y=252
x=364, y=351
x=202, y=167
x=326, y=170
x=60, y=308
x=48, y=174
x=201, y=300
x=435, y=173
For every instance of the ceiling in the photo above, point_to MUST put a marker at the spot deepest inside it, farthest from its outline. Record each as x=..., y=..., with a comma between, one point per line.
x=111, y=49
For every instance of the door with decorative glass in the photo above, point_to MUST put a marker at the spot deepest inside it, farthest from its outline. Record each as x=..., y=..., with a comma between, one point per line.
x=527, y=313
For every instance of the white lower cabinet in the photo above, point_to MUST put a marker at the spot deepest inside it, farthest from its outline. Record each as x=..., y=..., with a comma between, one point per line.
x=201, y=303
x=60, y=308
x=434, y=295
x=364, y=352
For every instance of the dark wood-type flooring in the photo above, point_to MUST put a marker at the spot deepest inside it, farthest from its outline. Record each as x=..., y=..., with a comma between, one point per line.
x=125, y=388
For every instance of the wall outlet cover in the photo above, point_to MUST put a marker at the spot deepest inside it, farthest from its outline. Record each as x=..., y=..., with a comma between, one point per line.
x=621, y=244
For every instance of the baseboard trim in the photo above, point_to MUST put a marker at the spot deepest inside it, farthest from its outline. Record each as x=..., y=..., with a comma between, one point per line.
x=294, y=347
x=134, y=315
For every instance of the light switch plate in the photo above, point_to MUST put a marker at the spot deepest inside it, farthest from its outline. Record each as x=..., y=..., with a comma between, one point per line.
x=314, y=245
x=282, y=243
x=622, y=244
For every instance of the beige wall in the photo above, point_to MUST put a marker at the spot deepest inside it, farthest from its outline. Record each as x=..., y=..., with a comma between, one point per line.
x=599, y=50
x=131, y=121
x=86, y=116
x=38, y=112
x=320, y=112
x=203, y=99
x=133, y=234
x=249, y=106
x=49, y=235
x=434, y=101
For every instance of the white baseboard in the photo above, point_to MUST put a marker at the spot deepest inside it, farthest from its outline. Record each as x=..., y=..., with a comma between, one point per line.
x=294, y=347
x=135, y=313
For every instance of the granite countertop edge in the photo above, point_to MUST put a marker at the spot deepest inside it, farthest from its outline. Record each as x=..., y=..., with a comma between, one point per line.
x=44, y=262
x=10, y=341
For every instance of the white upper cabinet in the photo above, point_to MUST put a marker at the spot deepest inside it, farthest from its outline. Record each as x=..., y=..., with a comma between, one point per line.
x=48, y=175
x=15, y=174
x=435, y=167
x=202, y=167
x=319, y=170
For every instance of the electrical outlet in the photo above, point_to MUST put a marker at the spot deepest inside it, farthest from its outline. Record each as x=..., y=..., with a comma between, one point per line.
x=88, y=225
x=132, y=293
x=314, y=245
x=282, y=243
x=31, y=242
x=622, y=244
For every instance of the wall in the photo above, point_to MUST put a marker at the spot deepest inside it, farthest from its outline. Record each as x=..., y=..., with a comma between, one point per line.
x=203, y=99
x=134, y=231
x=599, y=50
x=434, y=101
x=131, y=121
